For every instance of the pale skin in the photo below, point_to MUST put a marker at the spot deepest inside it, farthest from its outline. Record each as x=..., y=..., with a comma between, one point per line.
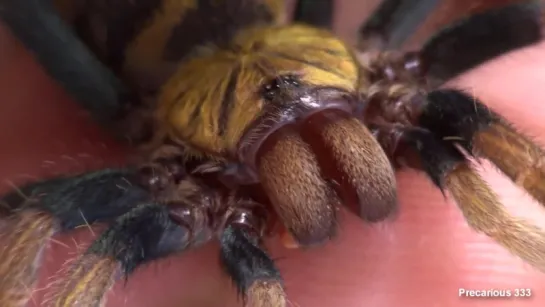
x=420, y=258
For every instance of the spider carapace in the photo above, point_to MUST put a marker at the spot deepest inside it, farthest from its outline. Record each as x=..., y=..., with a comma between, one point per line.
x=250, y=126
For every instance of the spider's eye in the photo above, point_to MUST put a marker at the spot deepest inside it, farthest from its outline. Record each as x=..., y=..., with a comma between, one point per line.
x=271, y=88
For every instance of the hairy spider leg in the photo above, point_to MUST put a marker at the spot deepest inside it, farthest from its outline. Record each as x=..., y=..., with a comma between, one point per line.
x=445, y=124
x=37, y=211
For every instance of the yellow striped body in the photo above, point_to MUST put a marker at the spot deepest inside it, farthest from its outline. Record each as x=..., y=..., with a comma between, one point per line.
x=191, y=102
x=203, y=62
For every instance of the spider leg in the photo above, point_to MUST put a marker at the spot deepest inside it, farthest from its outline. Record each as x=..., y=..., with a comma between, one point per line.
x=36, y=212
x=251, y=269
x=36, y=24
x=481, y=37
x=462, y=119
x=152, y=231
x=153, y=212
x=393, y=23
x=143, y=234
x=449, y=169
x=24, y=238
x=318, y=13
x=240, y=225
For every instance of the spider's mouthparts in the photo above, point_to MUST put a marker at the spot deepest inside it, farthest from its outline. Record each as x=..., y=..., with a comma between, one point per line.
x=328, y=158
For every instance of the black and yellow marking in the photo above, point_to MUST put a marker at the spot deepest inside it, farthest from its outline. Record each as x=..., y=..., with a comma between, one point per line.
x=207, y=61
x=193, y=104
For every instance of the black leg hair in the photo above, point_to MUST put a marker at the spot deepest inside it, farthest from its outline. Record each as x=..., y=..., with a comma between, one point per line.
x=481, y=37
x=462, y=119
x=65, y=58
x=449, y=170
x=393, y=23
x=318, y=13
x=82, y=199
x=143, y=234
x=251, y=269
x=34, y=213
x=152, y=231
x=455, y=115
x=154, y=211
x=435, y=157
x=452, y=123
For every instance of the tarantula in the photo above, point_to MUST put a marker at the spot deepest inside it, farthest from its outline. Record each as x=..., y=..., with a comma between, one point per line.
x=250, y=127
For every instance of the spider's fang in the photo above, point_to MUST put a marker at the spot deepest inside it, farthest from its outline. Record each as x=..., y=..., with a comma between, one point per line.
x=287, y=240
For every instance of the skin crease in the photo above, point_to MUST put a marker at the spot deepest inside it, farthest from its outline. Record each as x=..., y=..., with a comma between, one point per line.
x=421, y=258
